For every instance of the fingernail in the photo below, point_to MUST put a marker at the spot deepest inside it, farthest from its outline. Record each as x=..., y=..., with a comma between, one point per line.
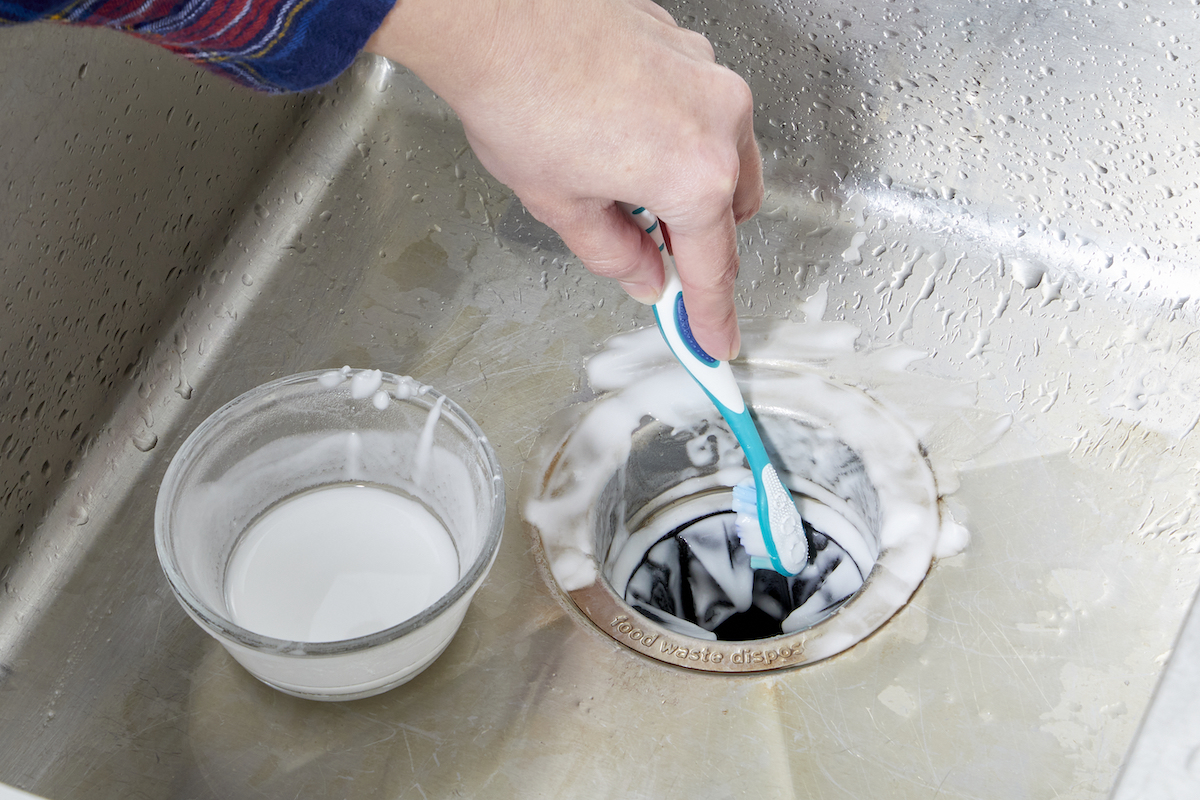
x=735, y=346
x=646, y=295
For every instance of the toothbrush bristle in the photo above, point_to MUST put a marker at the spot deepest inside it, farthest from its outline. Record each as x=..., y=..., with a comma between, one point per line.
x=787, y=526
x=745, y=505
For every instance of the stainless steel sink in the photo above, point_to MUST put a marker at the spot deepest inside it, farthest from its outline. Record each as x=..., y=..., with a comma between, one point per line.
x=1009, y=189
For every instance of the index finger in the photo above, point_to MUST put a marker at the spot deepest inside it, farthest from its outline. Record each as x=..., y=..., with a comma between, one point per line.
x=707, y=261
x=706, y=257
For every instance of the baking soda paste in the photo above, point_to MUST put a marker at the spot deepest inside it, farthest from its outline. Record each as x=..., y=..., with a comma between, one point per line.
x=338, y=562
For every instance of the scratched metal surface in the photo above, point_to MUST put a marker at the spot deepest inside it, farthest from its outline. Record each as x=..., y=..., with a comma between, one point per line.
x=1011, y=190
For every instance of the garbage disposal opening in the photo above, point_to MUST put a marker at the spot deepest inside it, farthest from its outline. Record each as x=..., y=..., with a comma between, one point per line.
x=677, y=559
x=628, y=498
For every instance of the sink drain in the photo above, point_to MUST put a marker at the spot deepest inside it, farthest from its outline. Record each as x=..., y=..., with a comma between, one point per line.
x=629, y=498
x=697, y=580
x=677, y=558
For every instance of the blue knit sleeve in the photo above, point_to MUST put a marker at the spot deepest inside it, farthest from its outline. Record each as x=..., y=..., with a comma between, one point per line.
x=269, y=45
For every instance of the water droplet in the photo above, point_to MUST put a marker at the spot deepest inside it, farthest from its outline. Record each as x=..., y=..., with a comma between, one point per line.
x=1027, y=273
x=1051, y=291
x=247, y=280
x=853, y=254
x=145, y=441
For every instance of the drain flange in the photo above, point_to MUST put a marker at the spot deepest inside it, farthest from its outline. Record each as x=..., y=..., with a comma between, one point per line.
x=614, y=479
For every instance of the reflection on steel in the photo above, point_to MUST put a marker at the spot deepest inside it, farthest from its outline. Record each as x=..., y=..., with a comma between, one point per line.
x=1006, y=194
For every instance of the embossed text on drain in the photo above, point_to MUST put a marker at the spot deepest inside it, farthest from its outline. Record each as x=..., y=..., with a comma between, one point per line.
x=743, y=656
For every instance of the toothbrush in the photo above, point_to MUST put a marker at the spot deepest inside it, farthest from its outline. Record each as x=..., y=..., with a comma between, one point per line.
x=767, y=523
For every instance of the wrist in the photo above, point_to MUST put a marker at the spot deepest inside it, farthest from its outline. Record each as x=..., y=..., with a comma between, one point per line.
x=445, y=42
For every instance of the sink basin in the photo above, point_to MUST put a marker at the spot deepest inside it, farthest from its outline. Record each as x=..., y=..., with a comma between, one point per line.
x=1005, y=195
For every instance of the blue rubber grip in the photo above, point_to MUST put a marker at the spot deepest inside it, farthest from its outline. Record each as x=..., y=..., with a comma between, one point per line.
x=685, y=333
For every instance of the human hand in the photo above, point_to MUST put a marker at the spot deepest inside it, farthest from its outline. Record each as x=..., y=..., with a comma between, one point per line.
x=576, y=104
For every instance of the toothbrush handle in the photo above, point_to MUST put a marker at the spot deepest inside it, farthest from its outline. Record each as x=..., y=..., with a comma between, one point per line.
x=715, y=377
x=671, y=315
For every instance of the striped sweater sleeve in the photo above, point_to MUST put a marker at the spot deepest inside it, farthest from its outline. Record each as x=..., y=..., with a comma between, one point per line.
x=269, y=45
